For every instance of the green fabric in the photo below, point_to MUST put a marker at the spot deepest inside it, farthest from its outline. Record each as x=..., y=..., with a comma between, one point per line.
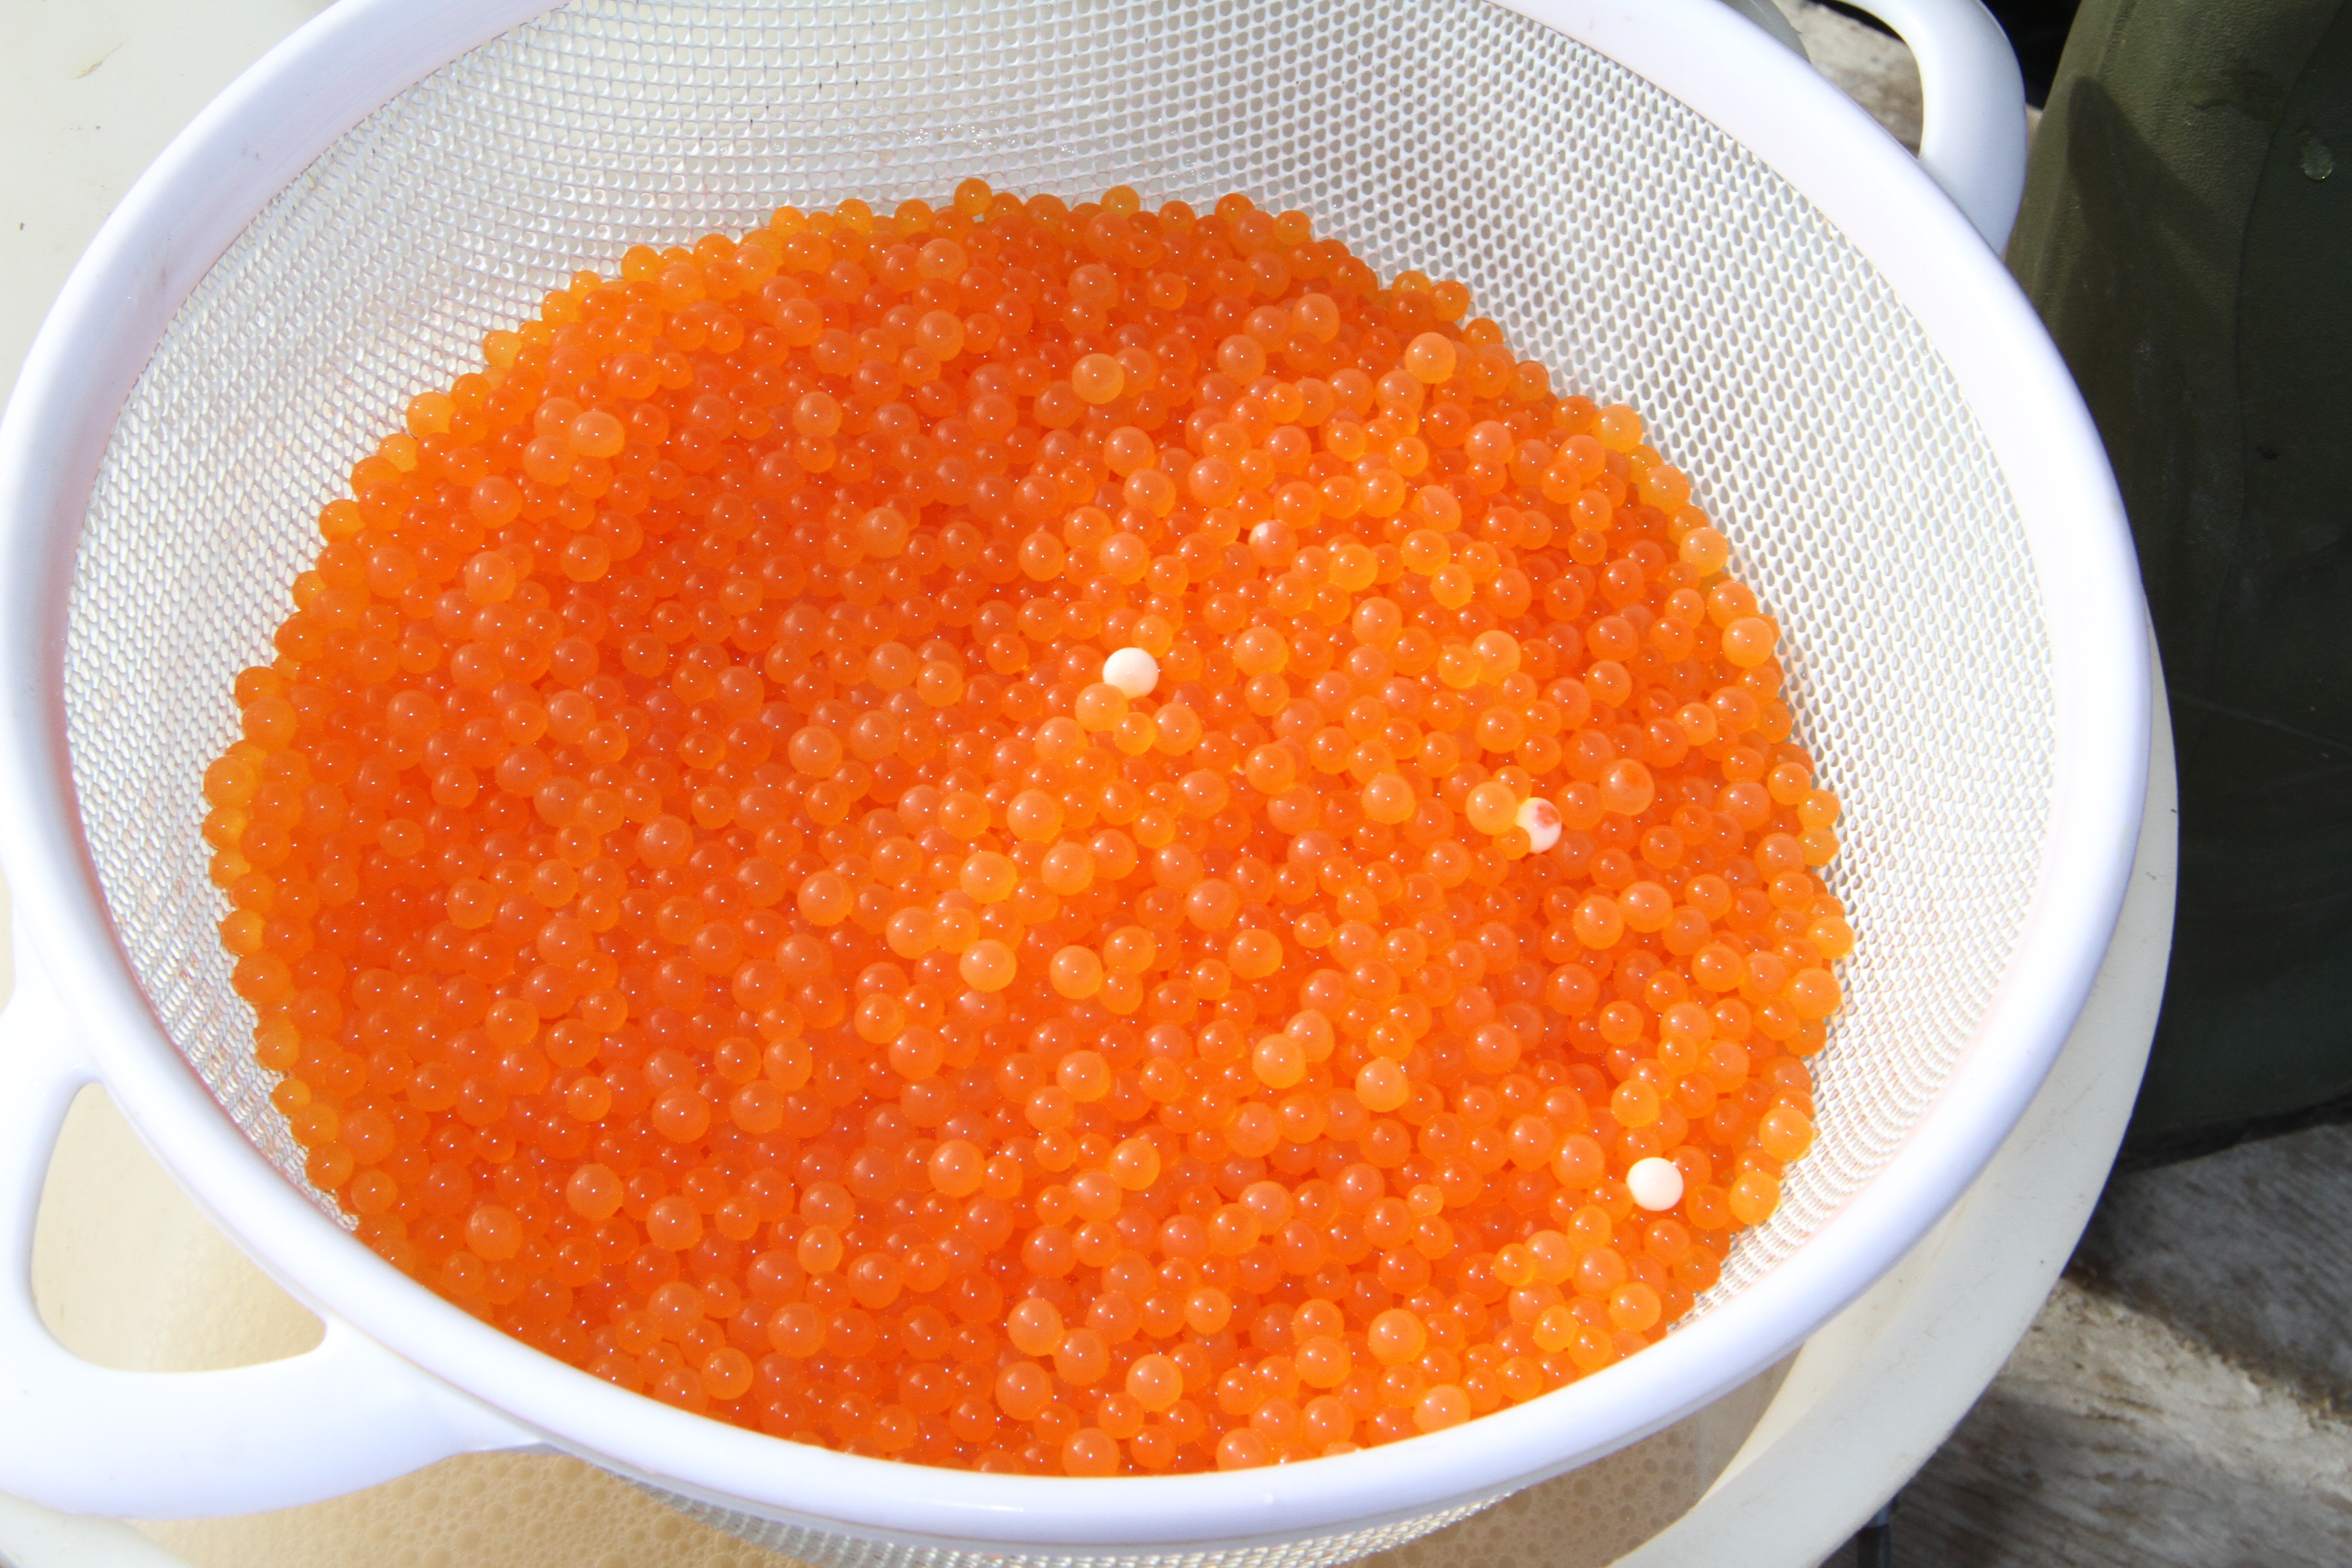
x=2187, y=235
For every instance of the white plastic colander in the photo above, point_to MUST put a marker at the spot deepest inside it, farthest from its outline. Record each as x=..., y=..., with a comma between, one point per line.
x=1655, y=199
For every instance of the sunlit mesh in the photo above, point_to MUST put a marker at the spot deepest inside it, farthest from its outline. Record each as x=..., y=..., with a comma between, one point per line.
x=1613, y=233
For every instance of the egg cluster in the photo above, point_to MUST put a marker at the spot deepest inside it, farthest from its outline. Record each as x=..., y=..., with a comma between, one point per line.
x=1066, y=839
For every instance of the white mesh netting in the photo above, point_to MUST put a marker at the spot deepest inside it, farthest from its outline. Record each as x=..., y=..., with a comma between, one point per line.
x=1615, y=235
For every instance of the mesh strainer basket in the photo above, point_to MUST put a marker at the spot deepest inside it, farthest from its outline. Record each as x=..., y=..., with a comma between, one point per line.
x=1656, y=200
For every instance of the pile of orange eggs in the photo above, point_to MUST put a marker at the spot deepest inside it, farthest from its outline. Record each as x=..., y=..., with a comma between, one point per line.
x=1077, y=840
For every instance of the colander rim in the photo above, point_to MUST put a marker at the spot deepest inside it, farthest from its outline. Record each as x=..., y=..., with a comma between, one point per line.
x=294, y=103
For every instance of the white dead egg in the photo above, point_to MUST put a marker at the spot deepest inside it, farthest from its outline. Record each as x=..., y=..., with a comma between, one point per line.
x=1540, y=818
x=1132, y=670
x=1656, y=1183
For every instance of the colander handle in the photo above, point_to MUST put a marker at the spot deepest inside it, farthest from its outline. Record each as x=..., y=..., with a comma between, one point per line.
x=90, y=1439
x=1972, y=101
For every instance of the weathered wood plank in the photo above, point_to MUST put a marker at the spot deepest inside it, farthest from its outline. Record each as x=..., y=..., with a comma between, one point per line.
x=2111, y=1440
x=2246, y=1250
x=2180, y=1401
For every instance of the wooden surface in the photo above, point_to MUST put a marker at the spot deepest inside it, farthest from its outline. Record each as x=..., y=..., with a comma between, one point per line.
x=2247, y=1251
x=1875, y=70
x=2180, y=1401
